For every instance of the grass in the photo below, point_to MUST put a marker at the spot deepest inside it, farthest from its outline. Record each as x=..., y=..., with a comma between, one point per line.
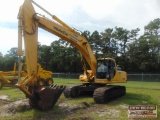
x=138, y=93
x=13, y=93
x=142, y=85
x=129, y=84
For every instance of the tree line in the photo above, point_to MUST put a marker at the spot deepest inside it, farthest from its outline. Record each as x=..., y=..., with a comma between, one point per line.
x=133, y=52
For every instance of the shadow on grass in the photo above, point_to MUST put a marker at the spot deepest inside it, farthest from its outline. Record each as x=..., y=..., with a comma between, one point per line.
x=134, y=99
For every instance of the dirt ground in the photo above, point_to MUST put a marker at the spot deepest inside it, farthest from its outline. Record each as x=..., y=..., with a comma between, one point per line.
x=10, y=108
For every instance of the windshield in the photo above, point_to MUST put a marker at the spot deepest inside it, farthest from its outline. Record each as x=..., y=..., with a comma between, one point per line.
x=105, y=69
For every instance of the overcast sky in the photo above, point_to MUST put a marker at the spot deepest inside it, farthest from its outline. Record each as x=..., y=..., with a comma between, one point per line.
x=83, y=15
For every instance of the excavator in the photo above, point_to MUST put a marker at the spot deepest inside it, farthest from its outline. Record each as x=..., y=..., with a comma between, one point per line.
x=10, y=78
x=94, y=80
x=44, y=76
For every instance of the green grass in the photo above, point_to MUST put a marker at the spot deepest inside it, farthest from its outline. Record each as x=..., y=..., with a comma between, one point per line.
x=61, y=81
x=137, y=93
x=129, y=84
x=146, y=85
x=13, y=93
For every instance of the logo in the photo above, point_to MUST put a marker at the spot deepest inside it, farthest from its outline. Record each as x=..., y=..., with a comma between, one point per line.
x=61, y=31
x=141, y=111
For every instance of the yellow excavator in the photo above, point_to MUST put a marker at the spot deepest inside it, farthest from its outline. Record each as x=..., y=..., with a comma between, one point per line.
x=10, y=78
x=95, y=80
x=44, y=77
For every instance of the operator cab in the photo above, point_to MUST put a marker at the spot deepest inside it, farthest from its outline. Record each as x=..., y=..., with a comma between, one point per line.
x=106, y=68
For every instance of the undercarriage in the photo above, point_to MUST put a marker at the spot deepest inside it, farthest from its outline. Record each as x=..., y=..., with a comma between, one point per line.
x=100, y=92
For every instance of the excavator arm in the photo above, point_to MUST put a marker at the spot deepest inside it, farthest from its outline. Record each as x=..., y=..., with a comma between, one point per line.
x=28, y=23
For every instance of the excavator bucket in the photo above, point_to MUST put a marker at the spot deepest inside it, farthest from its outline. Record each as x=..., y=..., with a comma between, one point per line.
x=46, y=98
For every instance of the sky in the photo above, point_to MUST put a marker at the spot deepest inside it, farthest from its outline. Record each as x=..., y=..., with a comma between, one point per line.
x=83, y=15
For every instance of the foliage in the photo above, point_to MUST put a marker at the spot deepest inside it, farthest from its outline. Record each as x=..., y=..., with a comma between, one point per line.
x=64, y=57
x=7, y=61
x=132, y=52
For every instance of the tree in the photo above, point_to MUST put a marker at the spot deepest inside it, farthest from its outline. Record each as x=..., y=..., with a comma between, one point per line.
x=10, y=59
x=2, y=61
x=65, y=57
x=124, y=37
x=152, y=34
x=146, y=49
x=44, y=56
x=96, y=43
x=133, y=54
x=109, y=45
x=153, y=28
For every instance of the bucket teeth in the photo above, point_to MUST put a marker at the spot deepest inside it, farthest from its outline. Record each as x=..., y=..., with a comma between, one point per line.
x=52, y=86
x=47, y=97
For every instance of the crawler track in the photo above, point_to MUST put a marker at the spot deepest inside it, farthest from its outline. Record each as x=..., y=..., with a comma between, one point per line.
x=100, y=93
x=72, y=91
x=108, y=93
